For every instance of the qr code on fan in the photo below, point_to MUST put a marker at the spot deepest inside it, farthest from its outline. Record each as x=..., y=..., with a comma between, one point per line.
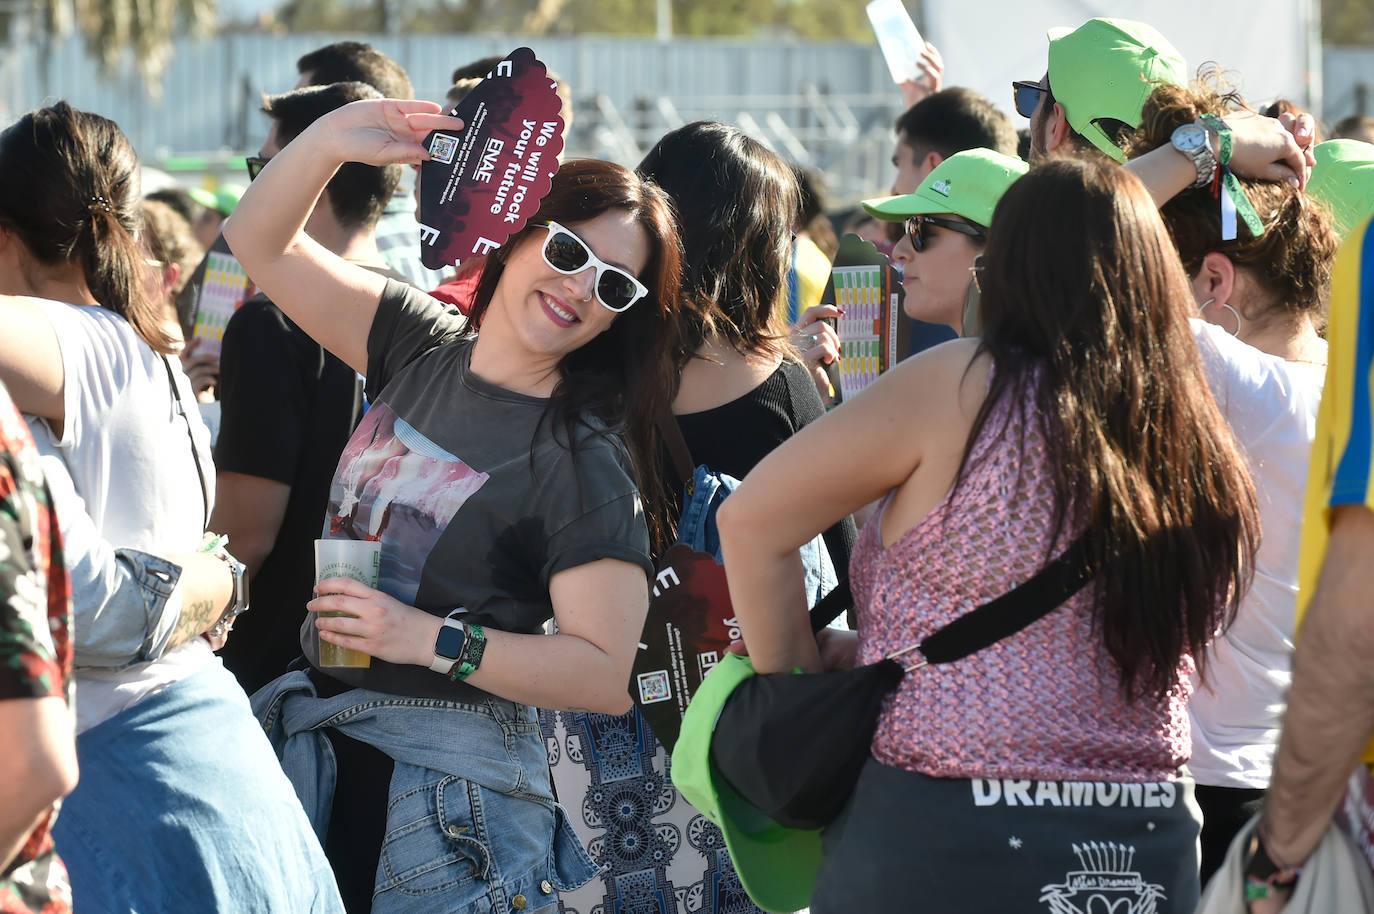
x=654, y=687
x=442, y=148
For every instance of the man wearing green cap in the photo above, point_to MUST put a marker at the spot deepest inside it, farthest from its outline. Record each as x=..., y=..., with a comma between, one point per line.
x=1098, y=77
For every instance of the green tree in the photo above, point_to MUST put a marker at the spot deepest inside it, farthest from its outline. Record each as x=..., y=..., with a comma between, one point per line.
x=822, y=19
x=1348, y=22
x=112, y=29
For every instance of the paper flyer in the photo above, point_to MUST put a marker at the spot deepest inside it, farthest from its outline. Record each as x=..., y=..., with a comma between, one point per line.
x=874, y=332
x=900, y=41
x=689, y=626
x=481, y=185
x=220, y=285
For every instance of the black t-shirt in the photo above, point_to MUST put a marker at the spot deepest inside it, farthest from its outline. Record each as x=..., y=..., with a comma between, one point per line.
x=287, y=409
x=475, y=499
x=734, y=437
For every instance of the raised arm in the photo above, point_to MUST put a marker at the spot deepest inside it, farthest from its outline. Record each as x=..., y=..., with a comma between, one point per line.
x=1265, y=148
x=331, y=299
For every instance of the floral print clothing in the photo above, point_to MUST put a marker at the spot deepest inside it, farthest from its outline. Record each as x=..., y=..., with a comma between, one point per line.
x=35, y=640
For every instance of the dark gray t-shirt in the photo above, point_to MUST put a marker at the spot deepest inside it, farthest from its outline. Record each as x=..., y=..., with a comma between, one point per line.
x=476, y=498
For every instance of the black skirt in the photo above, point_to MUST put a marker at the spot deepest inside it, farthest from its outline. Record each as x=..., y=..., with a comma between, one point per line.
x=909, y=842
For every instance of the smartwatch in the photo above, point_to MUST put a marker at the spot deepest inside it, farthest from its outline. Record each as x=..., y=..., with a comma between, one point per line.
x=1195, y=142
x=448, y=646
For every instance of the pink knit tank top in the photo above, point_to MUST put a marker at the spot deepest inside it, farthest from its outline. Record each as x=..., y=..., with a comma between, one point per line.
x=1043, y=704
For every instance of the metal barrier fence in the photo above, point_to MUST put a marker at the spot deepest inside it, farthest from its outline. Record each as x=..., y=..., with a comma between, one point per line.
x=829, y=106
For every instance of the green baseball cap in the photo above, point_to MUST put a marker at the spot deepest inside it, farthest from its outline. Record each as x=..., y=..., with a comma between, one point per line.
x=776, y=865
x=205, y=198
x=968, y=184
x=1343, y=179
x=227, y=197
x=1106, y=68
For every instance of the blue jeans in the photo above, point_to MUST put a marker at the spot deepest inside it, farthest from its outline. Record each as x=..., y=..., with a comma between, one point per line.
x=472, y=826
x=182, y=807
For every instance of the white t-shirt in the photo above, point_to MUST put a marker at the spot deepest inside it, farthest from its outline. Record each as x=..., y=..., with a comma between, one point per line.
x=1272, y=408
x=128, y=452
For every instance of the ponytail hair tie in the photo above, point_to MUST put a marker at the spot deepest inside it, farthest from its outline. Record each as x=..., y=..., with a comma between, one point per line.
x=99, y=204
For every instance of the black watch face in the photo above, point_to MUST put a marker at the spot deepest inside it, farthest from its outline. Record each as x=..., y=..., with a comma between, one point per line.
x=450, y=642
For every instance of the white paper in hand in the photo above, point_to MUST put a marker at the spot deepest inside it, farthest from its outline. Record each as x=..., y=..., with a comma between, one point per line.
x=899, y=39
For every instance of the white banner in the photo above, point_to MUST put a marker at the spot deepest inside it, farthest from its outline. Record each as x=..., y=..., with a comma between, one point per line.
x=1270, y=46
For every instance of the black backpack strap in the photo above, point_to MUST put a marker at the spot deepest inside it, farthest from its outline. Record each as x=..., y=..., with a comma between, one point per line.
x=1028, y=602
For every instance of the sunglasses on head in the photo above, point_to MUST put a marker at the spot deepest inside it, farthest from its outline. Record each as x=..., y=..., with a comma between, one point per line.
x=916, y=229
x=1025, y=95
x=568, y=254
x=255, y=165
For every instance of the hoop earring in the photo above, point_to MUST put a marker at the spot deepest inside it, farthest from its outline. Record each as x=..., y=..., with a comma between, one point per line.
x=1235, y=332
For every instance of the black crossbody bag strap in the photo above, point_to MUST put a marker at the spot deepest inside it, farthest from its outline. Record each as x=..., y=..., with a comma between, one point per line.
x=1006, y=615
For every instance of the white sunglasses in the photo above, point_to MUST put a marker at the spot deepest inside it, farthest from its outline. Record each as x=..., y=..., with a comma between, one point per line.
x=616, y=289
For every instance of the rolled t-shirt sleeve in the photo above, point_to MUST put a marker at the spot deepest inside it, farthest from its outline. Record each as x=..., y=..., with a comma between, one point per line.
x=615, y=529
x=594, y=509
x=407, y=323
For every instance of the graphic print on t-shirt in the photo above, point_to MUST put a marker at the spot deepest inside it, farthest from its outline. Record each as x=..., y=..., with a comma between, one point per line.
x=1104, y=883
x=395, y=485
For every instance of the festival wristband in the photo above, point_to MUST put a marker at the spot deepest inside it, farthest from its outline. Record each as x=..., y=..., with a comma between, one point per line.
x=474, y=646
x=1223, y=132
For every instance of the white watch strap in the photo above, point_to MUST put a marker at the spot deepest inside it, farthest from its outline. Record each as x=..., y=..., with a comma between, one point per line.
x=441, y=664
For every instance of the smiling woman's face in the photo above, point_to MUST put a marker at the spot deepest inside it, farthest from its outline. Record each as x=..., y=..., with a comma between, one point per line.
x=553, y=313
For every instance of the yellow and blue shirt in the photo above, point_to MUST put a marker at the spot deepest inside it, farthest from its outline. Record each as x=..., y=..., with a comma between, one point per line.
x=1342, y=467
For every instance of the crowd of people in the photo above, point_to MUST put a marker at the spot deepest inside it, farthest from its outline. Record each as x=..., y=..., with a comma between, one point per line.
x=1142, y=351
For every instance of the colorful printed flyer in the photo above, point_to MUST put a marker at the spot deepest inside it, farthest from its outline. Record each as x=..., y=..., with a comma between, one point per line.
x=689, y=627
x=218, y=286
x=481, y=185
x=874, y=332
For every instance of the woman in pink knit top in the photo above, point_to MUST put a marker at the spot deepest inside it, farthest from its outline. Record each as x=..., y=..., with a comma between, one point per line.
x=1043, y=772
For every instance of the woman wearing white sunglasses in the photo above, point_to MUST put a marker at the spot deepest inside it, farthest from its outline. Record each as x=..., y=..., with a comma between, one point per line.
x=502, y=475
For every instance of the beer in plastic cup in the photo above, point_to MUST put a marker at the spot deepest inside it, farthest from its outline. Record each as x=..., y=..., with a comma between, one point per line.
x=356, y=559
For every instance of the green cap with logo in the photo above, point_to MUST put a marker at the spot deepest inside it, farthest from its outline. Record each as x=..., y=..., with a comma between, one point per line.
x=1106, y=68
x=968, y=184
x=776, y=865
x=1343, y=179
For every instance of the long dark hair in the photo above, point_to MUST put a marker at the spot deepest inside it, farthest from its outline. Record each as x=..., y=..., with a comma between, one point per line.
x=1085, y=314
x=1291, y=261
x=736, y=204
x=626, y=376
x=70, y=194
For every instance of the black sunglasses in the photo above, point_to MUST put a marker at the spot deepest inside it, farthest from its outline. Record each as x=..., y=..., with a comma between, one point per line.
x=569, y=254
x=916, y=229
x=255, y=165
x=1025, y=95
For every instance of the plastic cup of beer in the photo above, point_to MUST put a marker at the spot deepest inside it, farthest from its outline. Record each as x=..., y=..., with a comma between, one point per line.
x=356, y=559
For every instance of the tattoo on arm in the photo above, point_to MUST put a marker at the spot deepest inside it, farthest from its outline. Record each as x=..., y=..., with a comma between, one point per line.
x=197, y=616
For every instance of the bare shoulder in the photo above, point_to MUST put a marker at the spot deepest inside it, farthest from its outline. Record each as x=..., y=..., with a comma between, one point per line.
x=952, y=375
